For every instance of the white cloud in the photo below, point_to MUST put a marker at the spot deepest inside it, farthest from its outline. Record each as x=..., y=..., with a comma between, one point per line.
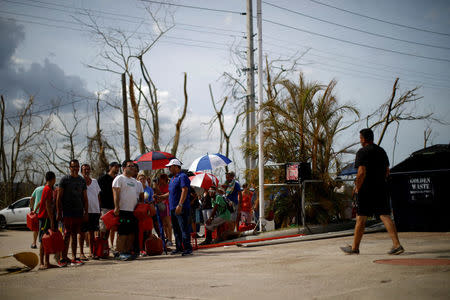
x=18, y=103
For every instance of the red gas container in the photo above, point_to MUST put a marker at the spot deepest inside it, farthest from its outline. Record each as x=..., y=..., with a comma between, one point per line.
x=154, y=246
x=32, y=221
x=144, y=211
x=53, y=242
x=110, y=220
x=101, y=247
x=245, y=227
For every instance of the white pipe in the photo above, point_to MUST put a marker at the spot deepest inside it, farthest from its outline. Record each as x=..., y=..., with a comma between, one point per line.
x=260, y=116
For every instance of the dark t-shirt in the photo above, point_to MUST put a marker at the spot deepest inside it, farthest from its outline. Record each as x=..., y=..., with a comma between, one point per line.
x=374, y=158
x=72, y=198
x=106, y=194
x=206, y=203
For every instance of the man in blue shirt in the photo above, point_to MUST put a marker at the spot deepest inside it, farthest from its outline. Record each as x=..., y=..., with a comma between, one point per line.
x=179, y=204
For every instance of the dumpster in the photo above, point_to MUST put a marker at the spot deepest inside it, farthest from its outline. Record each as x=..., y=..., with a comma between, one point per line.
x=420, y=190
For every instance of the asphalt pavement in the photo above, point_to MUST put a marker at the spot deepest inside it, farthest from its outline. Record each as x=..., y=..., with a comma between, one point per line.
x=308, y=269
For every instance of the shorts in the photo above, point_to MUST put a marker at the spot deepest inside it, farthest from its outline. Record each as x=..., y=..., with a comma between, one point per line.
x=373, y=203
x=72, y=224
x=128, y=223
x=101, y=225
x=91, y=224
x=44, y=226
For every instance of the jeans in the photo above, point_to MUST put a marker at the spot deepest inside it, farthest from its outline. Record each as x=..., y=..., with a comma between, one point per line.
x=180, y=225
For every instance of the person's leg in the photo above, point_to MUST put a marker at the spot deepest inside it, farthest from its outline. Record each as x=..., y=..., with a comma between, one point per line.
x=112, y=234
x=81, y=239
x=359, y=231
x=67, y=235
x=391, y=229
x=184, y=224
x=167, y=228
x=35, y=235
x=91, y=242
x=176, y=231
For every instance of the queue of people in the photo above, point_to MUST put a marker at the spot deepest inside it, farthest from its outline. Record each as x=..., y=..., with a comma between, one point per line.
x=76, y=204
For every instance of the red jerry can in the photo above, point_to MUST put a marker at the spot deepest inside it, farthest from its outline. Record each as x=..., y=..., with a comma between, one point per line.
x=144, y=211
x=32, y=221
x=101, y=247
x=154, y=246
x=144, y=225
x=53, y=242
x=110, y=220
x=245, y=227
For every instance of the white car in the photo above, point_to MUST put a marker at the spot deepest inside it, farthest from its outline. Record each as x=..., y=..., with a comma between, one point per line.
x=16, y=213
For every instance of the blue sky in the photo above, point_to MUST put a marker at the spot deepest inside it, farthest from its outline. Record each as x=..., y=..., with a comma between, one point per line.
x=48, y=47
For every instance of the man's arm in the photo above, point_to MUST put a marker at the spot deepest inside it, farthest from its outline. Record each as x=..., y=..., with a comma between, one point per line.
x=359, y=178
x=213, y=213
x=116, y=195
x=184, y=192
x=49, y=208
x=32, y=204
x=58, y=203
x=86, y=203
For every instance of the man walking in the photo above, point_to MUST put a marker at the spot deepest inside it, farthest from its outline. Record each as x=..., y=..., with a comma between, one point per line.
x=371, y=192
x=72, y=208
x=179, y=204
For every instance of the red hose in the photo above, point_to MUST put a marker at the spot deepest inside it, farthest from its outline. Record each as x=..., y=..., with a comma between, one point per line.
x=247, y=241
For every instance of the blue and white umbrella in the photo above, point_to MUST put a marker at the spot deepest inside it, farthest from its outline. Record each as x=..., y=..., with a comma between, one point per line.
x=209, y=162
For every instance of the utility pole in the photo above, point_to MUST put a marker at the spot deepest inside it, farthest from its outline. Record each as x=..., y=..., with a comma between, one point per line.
x=126, y=136
x=250, y=163
x=261, y=159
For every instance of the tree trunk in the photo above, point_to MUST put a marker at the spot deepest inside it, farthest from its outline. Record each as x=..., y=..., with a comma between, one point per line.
x=176, y=138
x=137, y=119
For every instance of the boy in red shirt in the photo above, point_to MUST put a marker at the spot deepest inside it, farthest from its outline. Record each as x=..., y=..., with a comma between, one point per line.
x=46, y=216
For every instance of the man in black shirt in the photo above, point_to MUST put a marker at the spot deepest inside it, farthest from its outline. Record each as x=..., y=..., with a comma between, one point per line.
x=106, y=194
x=371, y=191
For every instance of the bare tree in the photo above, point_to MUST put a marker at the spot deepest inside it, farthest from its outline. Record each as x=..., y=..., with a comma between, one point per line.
x=17, y=136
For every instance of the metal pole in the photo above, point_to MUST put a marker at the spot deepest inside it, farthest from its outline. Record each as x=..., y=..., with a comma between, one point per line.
x=126, y=136
x=260, y=117
x=250, y=163
x=303, y=204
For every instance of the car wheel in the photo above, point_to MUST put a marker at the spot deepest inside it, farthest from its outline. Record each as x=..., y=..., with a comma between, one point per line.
x=2, y=222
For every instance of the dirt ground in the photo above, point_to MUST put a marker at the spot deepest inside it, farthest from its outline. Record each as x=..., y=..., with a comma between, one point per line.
x=301, y=270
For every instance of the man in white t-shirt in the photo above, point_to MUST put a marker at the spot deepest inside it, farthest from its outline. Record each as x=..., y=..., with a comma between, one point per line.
x=125, y=200
x=91, y=225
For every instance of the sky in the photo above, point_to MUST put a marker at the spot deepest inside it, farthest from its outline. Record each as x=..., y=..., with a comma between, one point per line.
x=363, y=44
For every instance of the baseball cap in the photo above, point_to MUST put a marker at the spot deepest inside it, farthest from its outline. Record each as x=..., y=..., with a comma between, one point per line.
x=174, y=162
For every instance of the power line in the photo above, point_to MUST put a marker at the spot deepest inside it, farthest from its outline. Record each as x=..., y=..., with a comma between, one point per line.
x=379, y=20
x=197, y=7
x=355, y=43
x=355, y=29
x=129, y=18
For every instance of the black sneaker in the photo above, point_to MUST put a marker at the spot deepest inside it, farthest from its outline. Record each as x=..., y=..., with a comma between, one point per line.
x=205, y=242
x=349, y=250
x=186, y=252
x=175, y=252
x=396, y=251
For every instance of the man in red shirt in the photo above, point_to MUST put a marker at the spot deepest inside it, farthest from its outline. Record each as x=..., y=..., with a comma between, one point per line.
x=46, y=216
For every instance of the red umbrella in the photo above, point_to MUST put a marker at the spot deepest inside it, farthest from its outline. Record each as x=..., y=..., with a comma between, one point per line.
x=204, y=180
x=153, y=160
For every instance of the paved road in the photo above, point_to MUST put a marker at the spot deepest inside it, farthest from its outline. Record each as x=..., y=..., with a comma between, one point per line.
x=303, y=270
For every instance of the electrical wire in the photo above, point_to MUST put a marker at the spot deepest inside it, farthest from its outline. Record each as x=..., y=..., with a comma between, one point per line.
x=379, y=20
x=355, y=43
x=355, y=29
x=196, y=7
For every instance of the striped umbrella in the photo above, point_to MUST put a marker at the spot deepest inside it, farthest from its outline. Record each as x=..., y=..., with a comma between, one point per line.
x=153, y=160
x=209, y=162
x=204, y=180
